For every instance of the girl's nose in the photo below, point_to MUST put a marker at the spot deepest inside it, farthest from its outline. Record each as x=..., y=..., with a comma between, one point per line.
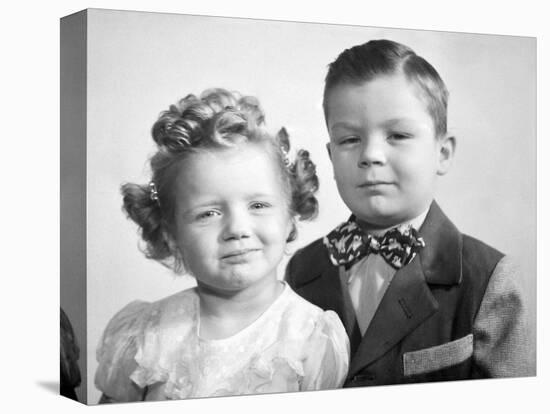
x=372, y=152
x=237, y=226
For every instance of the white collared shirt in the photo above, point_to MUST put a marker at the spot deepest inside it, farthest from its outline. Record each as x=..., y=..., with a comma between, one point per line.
x=369, y=278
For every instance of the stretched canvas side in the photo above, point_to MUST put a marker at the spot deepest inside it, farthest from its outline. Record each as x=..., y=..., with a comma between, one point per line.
x=73, y=206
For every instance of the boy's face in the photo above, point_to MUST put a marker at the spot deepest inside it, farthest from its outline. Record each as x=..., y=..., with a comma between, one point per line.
x=383, y=149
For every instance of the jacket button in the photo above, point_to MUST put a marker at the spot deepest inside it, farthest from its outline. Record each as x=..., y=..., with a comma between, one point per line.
x=365, y=376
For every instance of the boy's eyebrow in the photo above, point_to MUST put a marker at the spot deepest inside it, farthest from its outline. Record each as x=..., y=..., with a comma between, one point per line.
x=391, y=121
x=344, y=124
x=406, y=122
x=387, y=123
x=394, y=121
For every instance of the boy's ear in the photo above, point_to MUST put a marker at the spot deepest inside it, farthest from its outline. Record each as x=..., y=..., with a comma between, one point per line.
x=328, y=150
x=447, y=146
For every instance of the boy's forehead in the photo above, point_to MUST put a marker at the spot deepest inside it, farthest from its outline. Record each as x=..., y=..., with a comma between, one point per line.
x=379, y=86
x=390, y=98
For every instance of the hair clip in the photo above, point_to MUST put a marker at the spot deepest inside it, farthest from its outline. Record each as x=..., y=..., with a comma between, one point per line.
x=153, y=193
x=286, y=159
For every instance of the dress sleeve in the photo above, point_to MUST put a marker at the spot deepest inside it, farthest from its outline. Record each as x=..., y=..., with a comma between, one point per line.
x=502, y=335
x=116, y=354
x=327, y=360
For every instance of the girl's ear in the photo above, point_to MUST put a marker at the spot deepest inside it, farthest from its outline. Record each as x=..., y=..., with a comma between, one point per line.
x=170, y=242
x=292, y=230
x=447, y=146
x=175, y=252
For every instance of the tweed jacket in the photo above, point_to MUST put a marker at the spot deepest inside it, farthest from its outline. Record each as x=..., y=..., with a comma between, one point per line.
x=455, y=312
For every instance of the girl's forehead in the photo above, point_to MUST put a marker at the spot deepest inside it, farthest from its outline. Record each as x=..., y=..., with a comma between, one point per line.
x=241, y=166
x=233, y=156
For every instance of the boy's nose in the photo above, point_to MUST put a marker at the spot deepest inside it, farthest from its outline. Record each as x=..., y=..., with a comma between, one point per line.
x=371, y=153
x=237, y=226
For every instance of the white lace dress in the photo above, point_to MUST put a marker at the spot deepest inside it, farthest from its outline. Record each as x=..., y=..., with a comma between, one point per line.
x=152, y=351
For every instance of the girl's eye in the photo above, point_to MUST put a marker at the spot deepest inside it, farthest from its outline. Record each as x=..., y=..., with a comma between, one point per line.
x=207, y=214
x=258, y=205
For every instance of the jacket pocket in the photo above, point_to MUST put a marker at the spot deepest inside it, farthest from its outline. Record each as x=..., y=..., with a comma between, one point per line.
x=438, y=357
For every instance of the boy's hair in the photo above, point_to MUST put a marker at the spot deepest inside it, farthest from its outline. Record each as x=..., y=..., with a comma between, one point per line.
x=365, y=62
x=214, y=121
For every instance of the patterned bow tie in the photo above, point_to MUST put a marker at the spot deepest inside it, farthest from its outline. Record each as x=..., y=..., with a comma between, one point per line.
x=348, y=244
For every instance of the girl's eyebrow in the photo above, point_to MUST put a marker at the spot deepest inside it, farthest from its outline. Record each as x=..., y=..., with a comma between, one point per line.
x=204, y=204
x=214, y=202
x=262, y=195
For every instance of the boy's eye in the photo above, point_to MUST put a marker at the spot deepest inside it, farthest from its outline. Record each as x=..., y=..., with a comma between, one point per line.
x=398, y=136
x=348, y=140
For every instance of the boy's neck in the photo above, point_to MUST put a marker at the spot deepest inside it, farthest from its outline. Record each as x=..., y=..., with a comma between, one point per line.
x=223, y=314
x=415, y=222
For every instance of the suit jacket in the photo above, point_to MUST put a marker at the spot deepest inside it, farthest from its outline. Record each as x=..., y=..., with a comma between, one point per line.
x=454, y=312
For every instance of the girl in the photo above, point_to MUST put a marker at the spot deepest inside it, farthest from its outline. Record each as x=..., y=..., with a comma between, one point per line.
x=221, y=206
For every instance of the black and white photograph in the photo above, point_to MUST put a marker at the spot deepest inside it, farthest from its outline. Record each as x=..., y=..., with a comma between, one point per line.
x=257, y=210
x=267, y=215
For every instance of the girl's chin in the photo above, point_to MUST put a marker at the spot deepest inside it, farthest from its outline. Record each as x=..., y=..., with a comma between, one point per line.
x=236, y=282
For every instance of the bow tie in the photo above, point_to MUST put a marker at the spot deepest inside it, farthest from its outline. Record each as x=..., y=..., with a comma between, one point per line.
x=347, y=244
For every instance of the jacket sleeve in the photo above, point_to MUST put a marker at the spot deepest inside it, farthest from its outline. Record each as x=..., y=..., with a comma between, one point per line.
x=502, y=334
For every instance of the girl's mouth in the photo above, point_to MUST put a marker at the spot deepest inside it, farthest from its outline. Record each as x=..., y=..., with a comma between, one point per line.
x=238, y=255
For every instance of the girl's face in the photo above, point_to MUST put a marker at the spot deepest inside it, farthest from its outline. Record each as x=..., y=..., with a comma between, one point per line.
x=232, y=218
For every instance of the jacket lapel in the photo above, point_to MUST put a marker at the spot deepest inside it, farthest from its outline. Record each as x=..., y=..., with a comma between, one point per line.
x=320, y=283
x=408, y=300
x=407, y=303
x=330, y=291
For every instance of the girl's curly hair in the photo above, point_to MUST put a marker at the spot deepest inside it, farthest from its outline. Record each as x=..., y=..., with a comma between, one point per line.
x=215, y=120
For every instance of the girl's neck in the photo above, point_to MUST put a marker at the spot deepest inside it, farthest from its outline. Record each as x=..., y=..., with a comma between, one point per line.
x=223, y=314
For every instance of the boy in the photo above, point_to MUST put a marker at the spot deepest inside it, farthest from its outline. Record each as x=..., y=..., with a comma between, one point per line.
x=420, y=301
